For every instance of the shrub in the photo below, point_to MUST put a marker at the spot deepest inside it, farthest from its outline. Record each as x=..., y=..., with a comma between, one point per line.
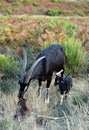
x=8, y=10
x=52, y=12
x=11, y=0
x=37, y=31
x=53, y=23
x=1, y=4
x=8, y=65
x=54, y=0
x=75, y=55
x=69, y=28
x=26, y=1
x=75, y=61
x=61, y=12
x=3, y=62
x=35, y=3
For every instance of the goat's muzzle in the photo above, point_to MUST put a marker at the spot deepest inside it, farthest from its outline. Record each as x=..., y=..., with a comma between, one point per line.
x=20, y=94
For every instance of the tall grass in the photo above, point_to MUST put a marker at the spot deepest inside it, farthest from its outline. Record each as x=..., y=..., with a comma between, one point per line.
x=76, y=119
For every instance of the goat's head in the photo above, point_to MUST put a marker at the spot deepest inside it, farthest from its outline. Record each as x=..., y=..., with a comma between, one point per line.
x=58, y=79
x=24, y=80
x=23, y=87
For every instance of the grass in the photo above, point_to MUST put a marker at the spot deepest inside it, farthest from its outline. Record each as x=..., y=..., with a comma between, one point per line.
x=77, y=114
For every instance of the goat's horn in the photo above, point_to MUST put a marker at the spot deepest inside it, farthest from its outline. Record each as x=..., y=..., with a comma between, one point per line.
x=58, y=73
x=29, y=73
x=24, y=62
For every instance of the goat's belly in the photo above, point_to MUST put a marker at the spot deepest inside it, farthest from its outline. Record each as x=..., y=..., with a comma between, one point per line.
x=57, y=69
x=42, y=78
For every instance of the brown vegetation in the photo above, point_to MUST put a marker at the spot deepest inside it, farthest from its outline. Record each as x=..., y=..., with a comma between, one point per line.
x=40, y=7
x=22, y=110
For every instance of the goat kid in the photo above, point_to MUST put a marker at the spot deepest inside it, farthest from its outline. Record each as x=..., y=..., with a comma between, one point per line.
x=64, y=85
x=49, y=60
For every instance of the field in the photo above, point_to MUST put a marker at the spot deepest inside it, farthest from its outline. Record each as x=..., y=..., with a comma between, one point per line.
x=34, y=29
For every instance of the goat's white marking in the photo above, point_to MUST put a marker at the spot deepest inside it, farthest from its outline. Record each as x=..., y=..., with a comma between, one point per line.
x=58, y=73
x=62, y=97
x=61, y=101
x=47, y=100
x=25, y=89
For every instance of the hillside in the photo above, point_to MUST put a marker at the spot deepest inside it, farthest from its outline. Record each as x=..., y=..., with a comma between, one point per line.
x=34, y=25
x=44, y=7
x=32, y=32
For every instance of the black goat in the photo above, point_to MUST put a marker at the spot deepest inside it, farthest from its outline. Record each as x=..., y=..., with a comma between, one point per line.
x=64, y=85
x=49, y=60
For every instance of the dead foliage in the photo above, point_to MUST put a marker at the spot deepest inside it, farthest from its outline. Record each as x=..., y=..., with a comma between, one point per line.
x=22, y=110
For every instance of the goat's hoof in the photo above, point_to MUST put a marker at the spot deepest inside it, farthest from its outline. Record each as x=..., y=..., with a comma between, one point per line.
x=46, y=100
x=39, y=93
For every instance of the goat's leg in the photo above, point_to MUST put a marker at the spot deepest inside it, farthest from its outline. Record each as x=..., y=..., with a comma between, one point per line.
x=39, y=88
x=62, y=97
x=47, y=89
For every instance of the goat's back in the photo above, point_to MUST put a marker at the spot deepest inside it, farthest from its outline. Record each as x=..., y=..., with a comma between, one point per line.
x=54, y=57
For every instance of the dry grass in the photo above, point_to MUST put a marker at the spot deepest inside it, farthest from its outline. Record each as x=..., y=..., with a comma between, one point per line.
x=75, y=117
